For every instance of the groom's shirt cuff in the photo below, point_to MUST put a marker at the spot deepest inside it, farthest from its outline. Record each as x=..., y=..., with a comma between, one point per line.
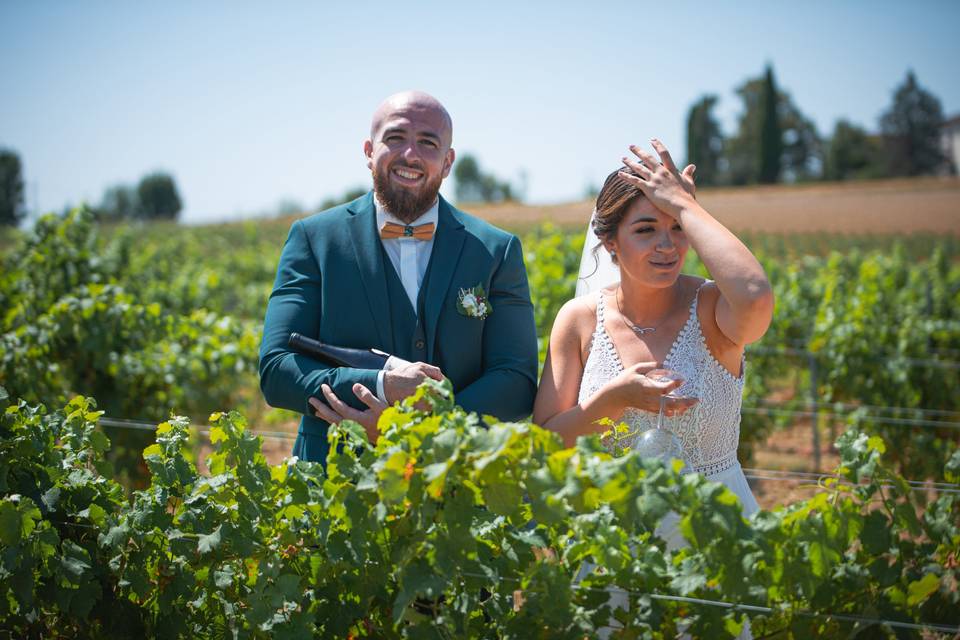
x=380, y=393
x=393, y=362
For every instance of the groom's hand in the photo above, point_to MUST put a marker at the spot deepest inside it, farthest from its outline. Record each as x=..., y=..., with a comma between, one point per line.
x=337, y=410
x=403, y=381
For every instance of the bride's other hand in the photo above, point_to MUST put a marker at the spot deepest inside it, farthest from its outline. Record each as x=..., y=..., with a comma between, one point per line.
x=633, y=388
x=668, y=188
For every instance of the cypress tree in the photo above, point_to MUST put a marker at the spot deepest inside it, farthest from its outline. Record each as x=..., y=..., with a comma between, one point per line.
x=771, y=135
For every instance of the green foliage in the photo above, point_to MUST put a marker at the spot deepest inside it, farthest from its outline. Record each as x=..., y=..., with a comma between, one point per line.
x=553, y=260
x=11, y=188
x=69, y=326
x=155, y=197
x=704, y=141
x=348, y=195
x=158, y=197
x=876, y=317
x=431, y=532
x=160, y=318
x=911, y=131
x=120, y=202
x=475, y=185
x=853, y=154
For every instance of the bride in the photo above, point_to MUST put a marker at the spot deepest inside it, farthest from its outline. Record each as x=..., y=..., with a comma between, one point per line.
x=604, y=342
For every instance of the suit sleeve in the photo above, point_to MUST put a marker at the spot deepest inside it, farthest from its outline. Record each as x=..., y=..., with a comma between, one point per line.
x=288, y=378
x=507, y=387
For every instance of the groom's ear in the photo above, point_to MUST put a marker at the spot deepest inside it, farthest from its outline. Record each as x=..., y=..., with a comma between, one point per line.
x=448, y=161
x=368, y=151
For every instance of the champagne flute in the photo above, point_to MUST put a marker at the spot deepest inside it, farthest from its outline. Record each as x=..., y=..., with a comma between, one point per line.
x=660, y=442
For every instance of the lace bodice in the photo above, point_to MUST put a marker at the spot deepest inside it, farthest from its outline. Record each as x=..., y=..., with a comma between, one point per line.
x=710, y=431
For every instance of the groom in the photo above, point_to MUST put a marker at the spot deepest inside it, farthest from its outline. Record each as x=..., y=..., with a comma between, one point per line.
x=403, y=271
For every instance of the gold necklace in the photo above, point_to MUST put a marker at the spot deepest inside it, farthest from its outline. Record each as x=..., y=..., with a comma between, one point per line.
x=637, y=329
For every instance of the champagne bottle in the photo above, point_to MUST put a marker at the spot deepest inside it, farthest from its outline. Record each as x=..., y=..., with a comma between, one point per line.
x=338, y=356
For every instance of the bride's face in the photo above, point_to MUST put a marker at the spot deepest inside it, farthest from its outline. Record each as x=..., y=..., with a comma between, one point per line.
x=650, y=245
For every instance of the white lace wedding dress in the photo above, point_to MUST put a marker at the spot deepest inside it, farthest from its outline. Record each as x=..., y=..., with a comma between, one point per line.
x=709, y=432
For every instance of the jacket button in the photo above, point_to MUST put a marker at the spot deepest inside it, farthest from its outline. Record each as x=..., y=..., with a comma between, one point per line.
x=419, y=344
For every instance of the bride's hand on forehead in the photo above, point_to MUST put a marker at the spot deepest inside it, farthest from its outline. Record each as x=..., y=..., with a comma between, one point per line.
x=668, y=188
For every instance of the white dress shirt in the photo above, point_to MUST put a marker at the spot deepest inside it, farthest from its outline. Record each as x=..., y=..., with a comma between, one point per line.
x=409, y=258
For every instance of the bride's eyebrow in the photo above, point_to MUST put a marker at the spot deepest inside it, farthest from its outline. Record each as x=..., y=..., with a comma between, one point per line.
x=643, y=220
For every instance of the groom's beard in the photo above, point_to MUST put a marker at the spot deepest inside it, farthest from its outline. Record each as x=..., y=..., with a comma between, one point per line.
x=405, y=204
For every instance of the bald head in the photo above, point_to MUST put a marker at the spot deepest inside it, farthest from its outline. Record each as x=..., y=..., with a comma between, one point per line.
x=409, y=152
x=414, y=102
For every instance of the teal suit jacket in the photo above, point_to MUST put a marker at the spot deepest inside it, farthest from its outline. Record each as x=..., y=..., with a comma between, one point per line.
x=331, y=285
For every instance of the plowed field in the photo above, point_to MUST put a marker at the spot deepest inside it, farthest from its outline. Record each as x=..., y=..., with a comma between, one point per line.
x=930, y=205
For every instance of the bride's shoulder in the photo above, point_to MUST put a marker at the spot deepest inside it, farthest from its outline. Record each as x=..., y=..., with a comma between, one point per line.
x=577, y=317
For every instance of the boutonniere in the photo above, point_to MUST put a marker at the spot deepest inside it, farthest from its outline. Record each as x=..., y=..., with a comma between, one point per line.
x=473, y=302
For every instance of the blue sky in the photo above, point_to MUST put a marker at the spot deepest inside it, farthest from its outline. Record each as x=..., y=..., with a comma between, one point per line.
x=248, y=103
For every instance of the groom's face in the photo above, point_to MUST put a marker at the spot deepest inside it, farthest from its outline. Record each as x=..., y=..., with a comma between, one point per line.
x=409, y=155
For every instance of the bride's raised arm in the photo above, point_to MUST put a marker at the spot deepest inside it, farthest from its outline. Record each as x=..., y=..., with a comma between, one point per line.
x=745, y=307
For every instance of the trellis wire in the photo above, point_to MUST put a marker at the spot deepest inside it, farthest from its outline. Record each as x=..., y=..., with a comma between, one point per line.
x=909, y=422
x=749, y=608
x=850, y=406
x=814, y=404
x=887, y=358
x=776, y=475
x=126, y=423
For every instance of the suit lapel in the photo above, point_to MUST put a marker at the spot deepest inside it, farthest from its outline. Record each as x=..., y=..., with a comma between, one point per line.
x=447, y=245
x=367, y=248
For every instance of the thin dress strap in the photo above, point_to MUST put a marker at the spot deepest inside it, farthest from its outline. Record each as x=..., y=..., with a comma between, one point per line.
x=696, y=297
x=600, y=305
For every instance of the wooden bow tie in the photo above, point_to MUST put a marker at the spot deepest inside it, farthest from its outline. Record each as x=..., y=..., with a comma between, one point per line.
x=391, y=230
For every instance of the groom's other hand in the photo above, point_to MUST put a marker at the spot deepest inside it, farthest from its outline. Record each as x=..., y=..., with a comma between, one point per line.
x=337, y=410
x=403, y=381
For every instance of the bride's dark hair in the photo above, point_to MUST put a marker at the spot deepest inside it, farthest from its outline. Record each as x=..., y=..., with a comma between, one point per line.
x=614, y=199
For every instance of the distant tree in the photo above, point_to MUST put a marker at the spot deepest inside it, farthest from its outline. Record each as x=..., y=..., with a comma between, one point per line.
x=852, y=153
x=468, y=178
x=911, y=131
x=473, y=185
x=800, y=148
x=11, y=189
x=802, y=157
x=704, y=141
x=350, y=194
x=289, y=207
x=158, y=197
x=120, y=202
x=771, y=134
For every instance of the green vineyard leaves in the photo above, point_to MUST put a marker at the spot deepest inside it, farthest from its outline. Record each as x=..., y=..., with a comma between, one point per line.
x=160, y=318
x=451, y=525
x=435, y=528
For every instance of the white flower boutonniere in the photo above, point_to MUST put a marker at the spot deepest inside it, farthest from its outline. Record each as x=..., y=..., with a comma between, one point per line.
x=473, y=303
